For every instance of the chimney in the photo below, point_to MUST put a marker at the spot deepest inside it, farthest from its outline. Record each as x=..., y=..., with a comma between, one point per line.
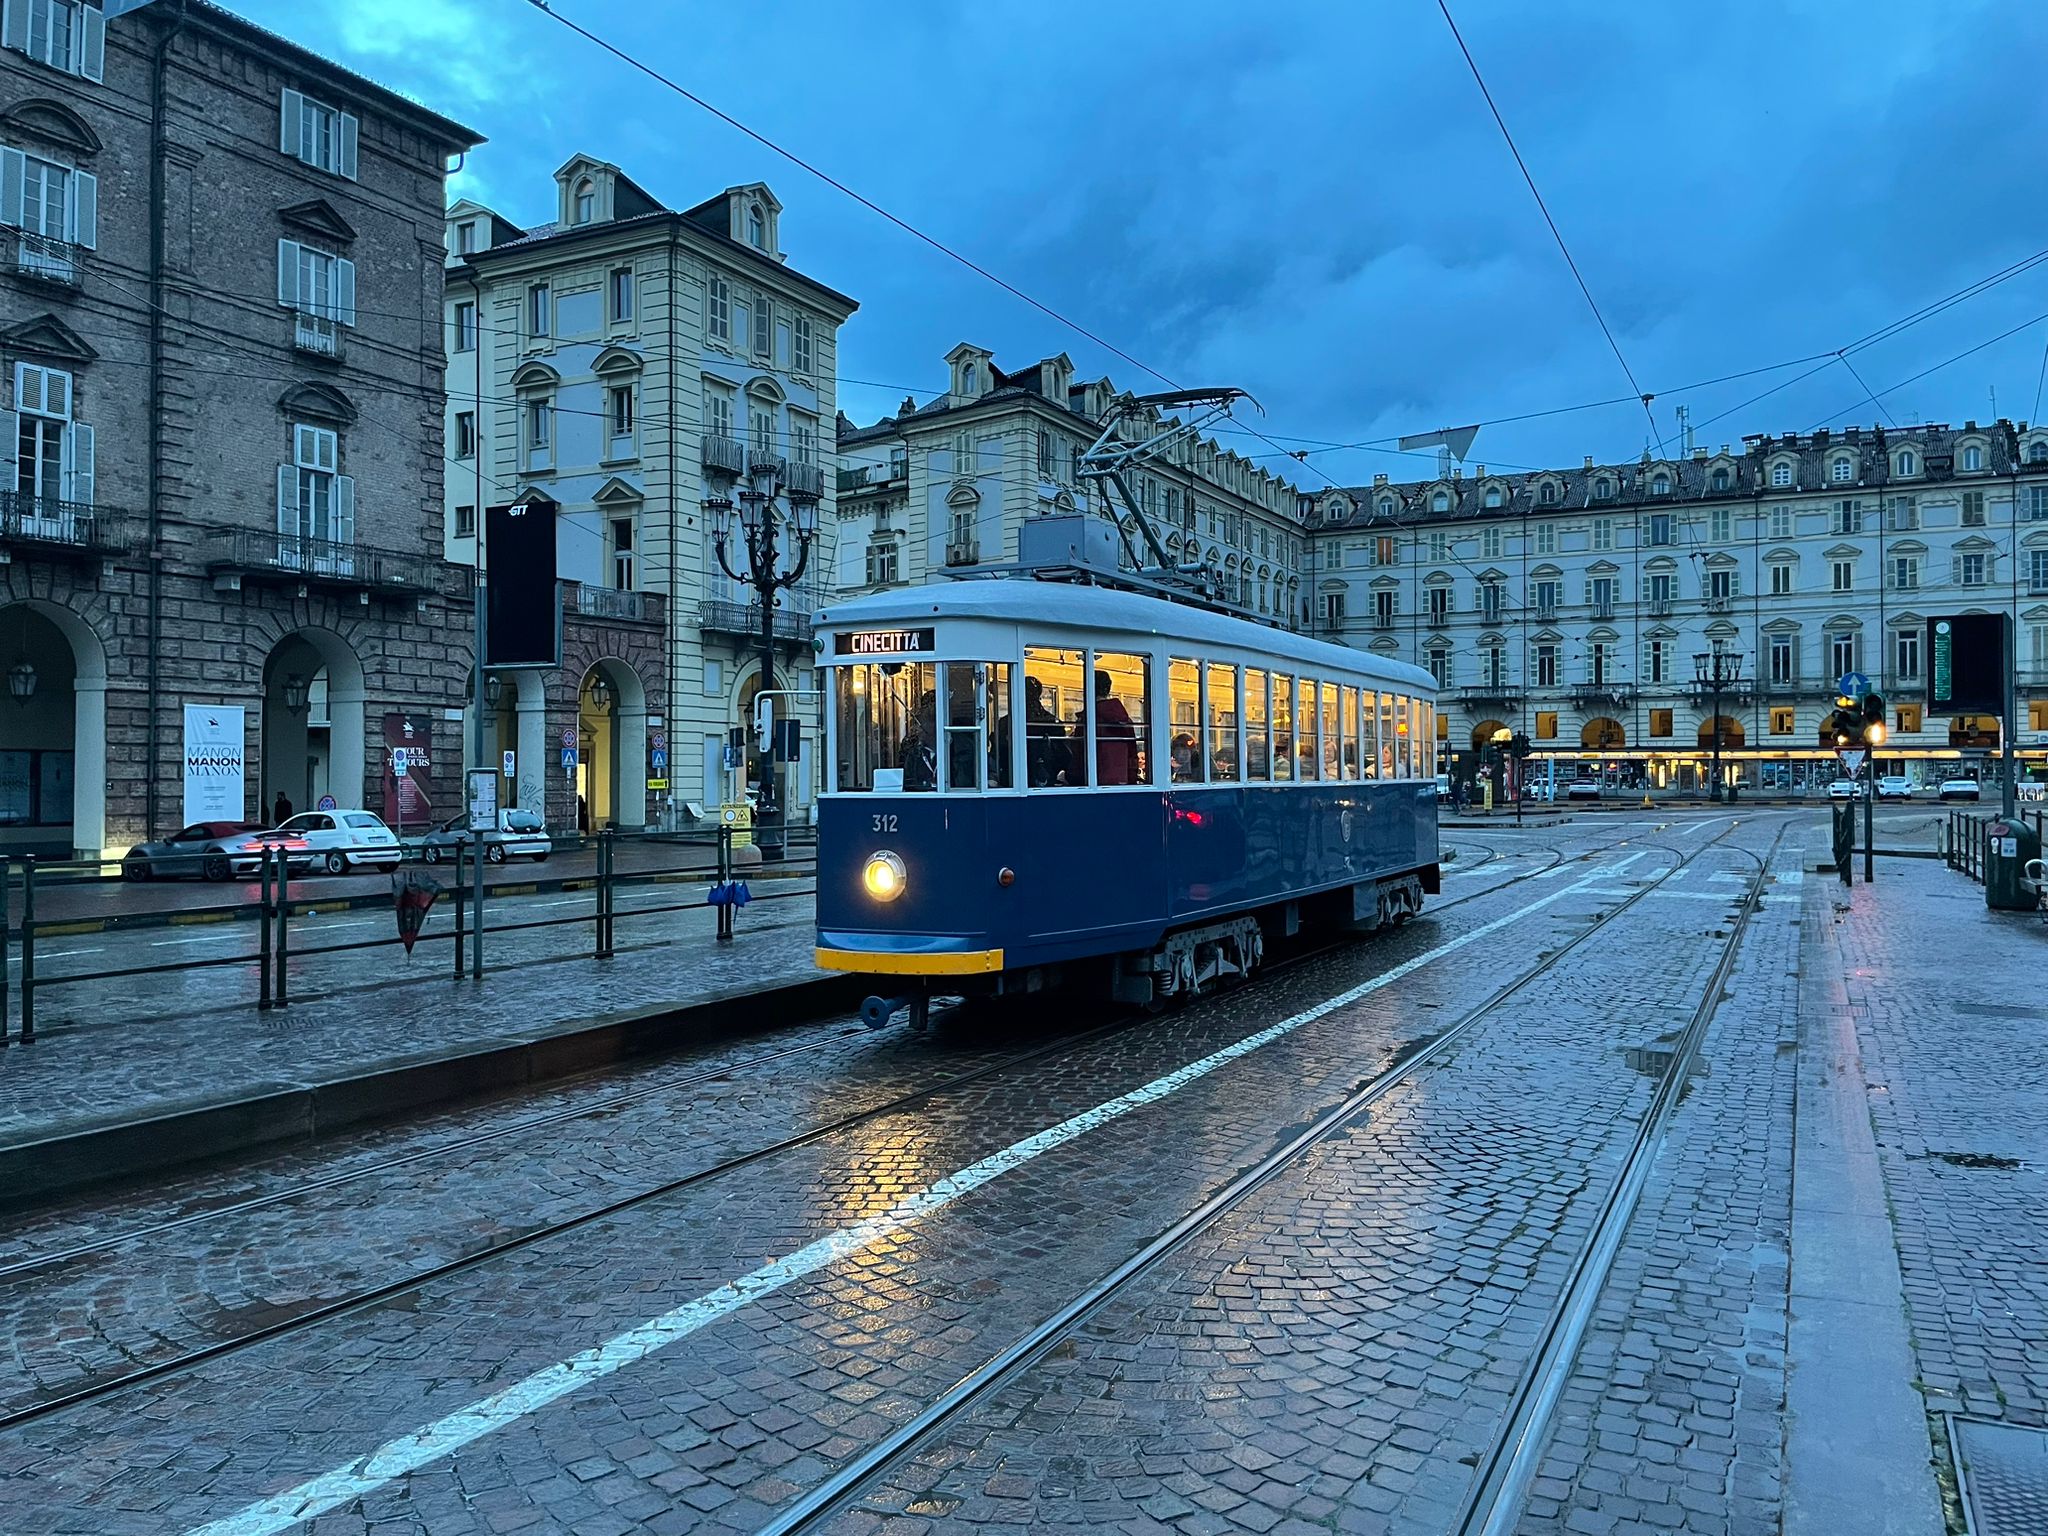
x=1480, y=471
x=1379, y=479
x=1724, y=450
x=1589, y=461
x=1699, y=453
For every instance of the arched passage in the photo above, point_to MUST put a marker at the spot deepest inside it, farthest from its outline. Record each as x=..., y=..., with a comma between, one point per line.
x=1730, y=732
x=611, y=767
x=1484, y=732
x=313, y=727
x=53, y=748
x=515, y=721
x=1603, y=734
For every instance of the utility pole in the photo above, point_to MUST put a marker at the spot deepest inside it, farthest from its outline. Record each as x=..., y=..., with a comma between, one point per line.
x=763, y=523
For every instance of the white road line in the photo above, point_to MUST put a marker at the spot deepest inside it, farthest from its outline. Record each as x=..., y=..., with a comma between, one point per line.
x=409, y=1452
x=197, y=938
x=1726, y=877
x=65, y=954
x=1696, y=826
x=1618, y=865
x=1724, y=897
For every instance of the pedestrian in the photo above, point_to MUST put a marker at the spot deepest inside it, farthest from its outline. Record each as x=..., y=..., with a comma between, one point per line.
x=582, y=816
x=281, y=812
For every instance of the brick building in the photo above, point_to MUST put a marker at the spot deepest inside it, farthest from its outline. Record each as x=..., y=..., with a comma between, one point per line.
x=220, y=312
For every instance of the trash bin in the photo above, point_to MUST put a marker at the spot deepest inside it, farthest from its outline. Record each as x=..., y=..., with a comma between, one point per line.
x=2008, y=848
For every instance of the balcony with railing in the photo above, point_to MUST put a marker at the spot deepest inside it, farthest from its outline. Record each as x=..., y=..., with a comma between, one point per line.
x=724, y=455
x=802, y=480
x=41, y=525
x=1602, y=695
x=1720, y=602
x=41, y=259
x=792, y=623
x=288, y=557
x=1658, y=607
x=1602, y=607
x=1472, y=695
x=594, y=602
x=1734, y=691
x=316, y=336
x=862, y=477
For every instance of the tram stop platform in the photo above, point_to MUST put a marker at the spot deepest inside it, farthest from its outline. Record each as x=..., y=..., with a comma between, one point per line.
x=132, y=1075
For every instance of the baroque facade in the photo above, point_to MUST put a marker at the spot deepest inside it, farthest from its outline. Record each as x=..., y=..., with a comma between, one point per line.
x=943, y=487
x=1570, y=605
x=621, y=366
x=220, y=453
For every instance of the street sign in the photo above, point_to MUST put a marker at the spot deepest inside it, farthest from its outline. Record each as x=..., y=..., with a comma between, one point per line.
x=656, y=786
x=569, y=736
x=327, y=803
x=1852, y=760
x=398, y=761
x=511, y=763
x=659, y=741
x=657, y=759
x=483, y=800
x=1854, y=685
x=569, y=760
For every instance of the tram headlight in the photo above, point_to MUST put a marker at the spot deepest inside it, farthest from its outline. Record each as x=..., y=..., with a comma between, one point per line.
x=883, y=876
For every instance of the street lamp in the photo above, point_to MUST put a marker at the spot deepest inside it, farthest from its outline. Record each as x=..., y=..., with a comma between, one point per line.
x=21, y=681
x=494, y=692
x=1717, y=669
x=601, y=694
x=296, y=694
x=764, y=524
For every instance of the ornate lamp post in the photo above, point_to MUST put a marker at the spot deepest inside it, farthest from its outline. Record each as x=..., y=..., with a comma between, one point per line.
x=297, y=696
x=1717, y=669
x=765, y=527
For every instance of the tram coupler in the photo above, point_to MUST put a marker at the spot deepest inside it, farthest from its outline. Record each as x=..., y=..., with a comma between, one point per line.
x=876, y=1012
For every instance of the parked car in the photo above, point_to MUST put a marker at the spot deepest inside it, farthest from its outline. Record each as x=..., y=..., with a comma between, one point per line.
x=339, y=840
x=520, y=834
x=1845, y=789
x=1960, y=789
x=211, y=850
x=1582, y=789
x=1895, y=786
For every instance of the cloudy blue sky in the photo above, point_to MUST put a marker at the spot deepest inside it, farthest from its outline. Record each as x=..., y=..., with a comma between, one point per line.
x=1310, y=202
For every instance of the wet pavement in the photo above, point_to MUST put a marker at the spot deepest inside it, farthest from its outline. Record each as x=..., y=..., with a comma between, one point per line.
x=820, y=1232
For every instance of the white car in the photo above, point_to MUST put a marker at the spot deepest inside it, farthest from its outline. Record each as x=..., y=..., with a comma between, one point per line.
x=1960, y=789
x=1845, y=789
x=520, y=834
x=338, y=840
x=1895, y=786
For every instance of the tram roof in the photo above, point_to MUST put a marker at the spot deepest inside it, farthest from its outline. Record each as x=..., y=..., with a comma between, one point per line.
x=1074, y=606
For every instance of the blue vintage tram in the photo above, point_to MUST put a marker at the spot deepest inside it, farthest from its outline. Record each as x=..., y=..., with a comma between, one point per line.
x=1033, y=783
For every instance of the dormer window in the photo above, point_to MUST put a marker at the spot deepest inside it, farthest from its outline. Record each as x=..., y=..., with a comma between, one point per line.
x=1549, y=492
x=1720, y=479
x=1493, y=496
x=1660, y=484
x=1908, y=463
x=1973, y=457
x=1386, y=506
x=1842, y=471
x=1603, y=488
x=1781, y=474
x=2037, y=453
x=970, y=379
x=465, y=238
x=586, y=202
x=1440, y=502
x=757, y=227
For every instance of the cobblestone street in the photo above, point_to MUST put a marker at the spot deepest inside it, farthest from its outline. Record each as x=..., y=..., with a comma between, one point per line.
x=1489, y=1222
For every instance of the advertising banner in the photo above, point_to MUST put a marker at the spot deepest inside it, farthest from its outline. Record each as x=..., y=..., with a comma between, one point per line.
x=214, y=787
x=409, y=783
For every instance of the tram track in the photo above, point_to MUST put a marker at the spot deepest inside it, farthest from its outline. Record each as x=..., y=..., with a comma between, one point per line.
x=835, y=1493
x=311, y=1316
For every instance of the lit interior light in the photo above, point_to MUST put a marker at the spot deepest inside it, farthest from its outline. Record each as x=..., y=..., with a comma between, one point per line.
x=883, y=876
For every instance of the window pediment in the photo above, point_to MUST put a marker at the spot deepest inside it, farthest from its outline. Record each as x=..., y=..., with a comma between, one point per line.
x=963, y=494
x=617, y=360
x=1720, y=560
x=1973, y=543
x=47, y=336
x=761, y=387
x=1782, y=627
x=535, y=375
x=618, y=493
x=1660, y=565
x=321, y=403
x=1603, y=568
x=1843, y=622
x=1546, y=573
x=1906, y=621
x=53, y=123
x=1843, y=552
x=1906, y=547
x=319, y=218
x=1782, y=555
x=1723, y=631
x=1603, y=634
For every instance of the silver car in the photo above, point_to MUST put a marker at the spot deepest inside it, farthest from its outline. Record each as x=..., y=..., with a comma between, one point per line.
x=519, y=834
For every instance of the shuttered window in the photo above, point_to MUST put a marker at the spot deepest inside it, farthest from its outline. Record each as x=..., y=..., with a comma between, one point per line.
x=65, y=34
x=55, y=202
x=323, y=137
x=315, y=283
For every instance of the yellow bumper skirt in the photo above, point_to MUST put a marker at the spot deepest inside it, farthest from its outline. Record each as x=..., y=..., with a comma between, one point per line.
x=972, y=962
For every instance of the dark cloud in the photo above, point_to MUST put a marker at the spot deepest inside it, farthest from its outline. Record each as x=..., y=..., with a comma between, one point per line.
x=1311, y=202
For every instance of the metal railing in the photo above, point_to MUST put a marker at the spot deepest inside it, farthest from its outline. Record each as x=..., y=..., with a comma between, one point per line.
x=48, y=260
x=73, y=525
x=280, y=954
x=612, y=603
x=1966, y=840
x=728, y=618
x=288, y=555
x=318, y=334
x=726, y=455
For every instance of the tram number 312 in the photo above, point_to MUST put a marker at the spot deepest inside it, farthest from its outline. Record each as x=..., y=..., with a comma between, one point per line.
x=884, y=823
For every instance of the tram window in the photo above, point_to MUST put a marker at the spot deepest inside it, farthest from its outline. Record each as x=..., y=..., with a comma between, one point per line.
x=886, y=713
x=963, y=683
x=1333, y=737
x=1123, y=718
x=1404, y=739
x=1368, y=733
x=1305, y=759
x=1055, y=717
x=1222, y=705
x=1001, y=757
x=1184, y=721
x=1348, y=708
x=1283, y=726
x=1386, y=728
x=1257, y=741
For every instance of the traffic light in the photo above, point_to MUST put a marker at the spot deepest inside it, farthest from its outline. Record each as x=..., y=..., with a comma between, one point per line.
x=1873, y=720
x=1519, y=745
